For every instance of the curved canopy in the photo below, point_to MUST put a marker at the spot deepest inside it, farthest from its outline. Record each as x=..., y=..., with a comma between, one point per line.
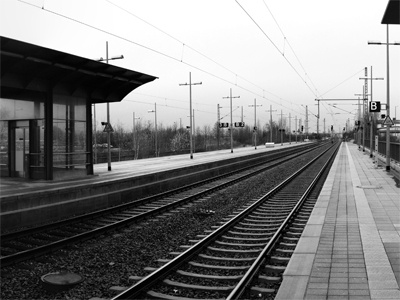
x=31, y=67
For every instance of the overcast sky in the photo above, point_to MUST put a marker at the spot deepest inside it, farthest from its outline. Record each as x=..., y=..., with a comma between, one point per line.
x=284, y=53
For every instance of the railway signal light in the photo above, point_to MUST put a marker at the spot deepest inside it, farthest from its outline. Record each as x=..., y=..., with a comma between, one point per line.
x=302, y=128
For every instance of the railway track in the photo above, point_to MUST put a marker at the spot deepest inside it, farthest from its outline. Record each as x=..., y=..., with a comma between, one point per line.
x=34, y=242
x=244, y=257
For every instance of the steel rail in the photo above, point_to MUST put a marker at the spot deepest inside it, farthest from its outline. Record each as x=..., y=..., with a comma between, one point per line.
x=243, y=284
x=134, y=291
x=41, y=250
x=124, y=206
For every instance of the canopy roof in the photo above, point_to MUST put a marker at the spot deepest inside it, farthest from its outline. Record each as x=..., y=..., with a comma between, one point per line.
x=392, y=13
x=31, y=67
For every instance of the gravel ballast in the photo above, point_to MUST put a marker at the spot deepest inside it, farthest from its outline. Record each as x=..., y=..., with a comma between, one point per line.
x=110, y=260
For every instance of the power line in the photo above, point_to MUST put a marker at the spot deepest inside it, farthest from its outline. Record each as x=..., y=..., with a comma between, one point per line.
x=286, y=40
x=160, y=53
x=342, y=82
x=290, y=64
x=196, y=51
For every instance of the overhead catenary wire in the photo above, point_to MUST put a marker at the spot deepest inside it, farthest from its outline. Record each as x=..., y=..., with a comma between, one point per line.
x=160, y=53
x=198, y=52
x=258, y=94
x=277, y=48
x=286, y=41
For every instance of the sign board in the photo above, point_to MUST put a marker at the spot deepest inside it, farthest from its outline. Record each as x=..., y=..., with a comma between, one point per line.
x=239, y=124
x=222, y=125
x=108, y=128
x=374, y=106
x=388, y=121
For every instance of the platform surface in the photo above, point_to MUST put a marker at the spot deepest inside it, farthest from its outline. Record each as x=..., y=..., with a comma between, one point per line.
x=131, y=168
x=350, y=248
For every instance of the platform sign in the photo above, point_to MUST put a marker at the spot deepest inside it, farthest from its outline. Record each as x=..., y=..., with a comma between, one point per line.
x=388, y=121
x=108, y=128
x=374, y=106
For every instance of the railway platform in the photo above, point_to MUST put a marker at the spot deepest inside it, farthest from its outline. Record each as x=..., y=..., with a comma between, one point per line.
x=350, y=248
x=29, y=202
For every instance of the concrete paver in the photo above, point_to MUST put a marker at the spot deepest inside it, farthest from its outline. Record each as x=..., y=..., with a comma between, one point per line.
x=352, y=237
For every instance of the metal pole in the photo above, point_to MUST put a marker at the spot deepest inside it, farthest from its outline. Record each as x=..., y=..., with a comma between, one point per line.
x=190, y=112
x=306, y=121
x=359, y=117
x=363, y=119
x=218, y=129
x=108, y=122
x=95, y=133
x=155, y=116
x=371, y=125
x=318, y=120
x=231, y=124
x=387, y=102
x=270, y=120
x=194, y=134
x=133, y=134
x=190, y=129
x=255, y=124
x=281, y=129
x=231, y=127
x=290, y=128
x=108, y=112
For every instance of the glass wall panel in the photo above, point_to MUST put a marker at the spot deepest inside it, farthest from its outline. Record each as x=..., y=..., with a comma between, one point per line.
x=69, y=133
x=37, y=145
x=21, y=109
x=4, y=148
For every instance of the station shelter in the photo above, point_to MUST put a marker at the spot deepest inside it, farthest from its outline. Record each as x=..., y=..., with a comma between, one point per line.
x=45, y=109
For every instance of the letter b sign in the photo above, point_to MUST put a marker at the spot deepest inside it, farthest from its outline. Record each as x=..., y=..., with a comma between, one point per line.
x=374, y=106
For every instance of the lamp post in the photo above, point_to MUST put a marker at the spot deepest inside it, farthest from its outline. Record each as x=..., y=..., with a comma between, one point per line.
x=155, y=124
x=108, y=109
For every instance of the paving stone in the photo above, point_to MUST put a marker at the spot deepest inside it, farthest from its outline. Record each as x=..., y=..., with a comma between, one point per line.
x=358, y=252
